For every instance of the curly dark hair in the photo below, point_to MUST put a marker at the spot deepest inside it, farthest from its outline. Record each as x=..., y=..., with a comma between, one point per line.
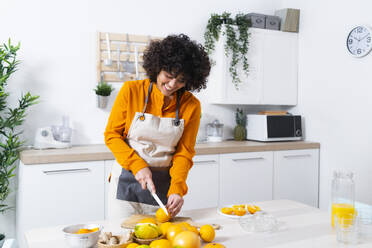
x=178, y=55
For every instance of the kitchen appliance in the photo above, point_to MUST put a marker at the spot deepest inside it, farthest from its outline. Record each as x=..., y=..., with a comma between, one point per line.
x=214, y=131
x=274, y=127
x=54, y=136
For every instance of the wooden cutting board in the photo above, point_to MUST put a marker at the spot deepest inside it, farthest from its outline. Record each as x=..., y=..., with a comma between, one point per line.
x=131, y=222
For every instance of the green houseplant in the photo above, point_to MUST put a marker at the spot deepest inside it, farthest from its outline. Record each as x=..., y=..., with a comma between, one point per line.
x=236, y=31
x=11, y=118
x=240, y=131
x=103, y=90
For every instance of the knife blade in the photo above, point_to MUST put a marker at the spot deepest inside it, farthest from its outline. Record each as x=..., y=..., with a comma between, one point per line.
x=158, y=200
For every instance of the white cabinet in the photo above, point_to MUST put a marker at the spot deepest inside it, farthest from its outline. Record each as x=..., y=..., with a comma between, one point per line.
x=108, y=166
x=202, y=183
x=296, y=175
x=245, y=177
x=272, y=78
x=56, y=194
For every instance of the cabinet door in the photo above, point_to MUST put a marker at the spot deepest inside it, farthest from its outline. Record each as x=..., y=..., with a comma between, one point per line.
x=296, y=175
x=279, y=58
x=245, y=177
x=202, y=183
x=108, y=166
x=55, y=194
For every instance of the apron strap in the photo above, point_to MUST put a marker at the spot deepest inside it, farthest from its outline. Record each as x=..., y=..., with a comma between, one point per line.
x=176, y=122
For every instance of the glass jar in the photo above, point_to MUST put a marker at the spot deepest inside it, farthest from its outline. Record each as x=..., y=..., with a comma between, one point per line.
x=214, y=131
x=343, y=195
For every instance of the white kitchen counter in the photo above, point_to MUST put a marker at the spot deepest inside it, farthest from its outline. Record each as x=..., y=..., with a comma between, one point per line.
x=302, y=226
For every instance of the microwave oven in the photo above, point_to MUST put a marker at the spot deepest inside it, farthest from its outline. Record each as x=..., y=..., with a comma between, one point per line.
x=273, y=127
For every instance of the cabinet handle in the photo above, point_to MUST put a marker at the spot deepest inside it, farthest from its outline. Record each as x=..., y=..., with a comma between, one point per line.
x=205, y=162
x=54, y=172
x=297, y=156
x=246, y=159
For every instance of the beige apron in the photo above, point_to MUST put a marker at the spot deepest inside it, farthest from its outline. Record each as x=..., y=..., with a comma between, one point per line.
x=155, y=140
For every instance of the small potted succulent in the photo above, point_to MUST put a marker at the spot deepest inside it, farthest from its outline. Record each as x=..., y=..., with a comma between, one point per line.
x=240, y=131
x=103, y=91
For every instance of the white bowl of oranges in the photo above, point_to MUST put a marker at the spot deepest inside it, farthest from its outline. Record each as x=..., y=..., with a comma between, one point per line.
x=82, y=235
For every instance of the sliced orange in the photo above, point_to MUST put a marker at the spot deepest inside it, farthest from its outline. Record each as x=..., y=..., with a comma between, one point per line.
x=148, y=220
x=227, y=210
x=251, y=209
x=238, y=206
x=257, y=208
x=240, y=211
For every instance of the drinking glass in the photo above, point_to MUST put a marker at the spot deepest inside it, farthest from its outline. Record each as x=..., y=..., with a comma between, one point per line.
x=347, y=228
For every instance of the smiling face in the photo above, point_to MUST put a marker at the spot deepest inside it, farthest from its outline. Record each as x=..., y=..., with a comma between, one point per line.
x=168, y=84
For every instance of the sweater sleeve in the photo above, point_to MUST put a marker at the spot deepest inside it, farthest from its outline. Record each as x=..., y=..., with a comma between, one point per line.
x=182, y=159
x=115, y=135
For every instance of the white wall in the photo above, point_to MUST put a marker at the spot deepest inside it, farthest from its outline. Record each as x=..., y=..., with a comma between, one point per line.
x=58, y=50
x=335, y=90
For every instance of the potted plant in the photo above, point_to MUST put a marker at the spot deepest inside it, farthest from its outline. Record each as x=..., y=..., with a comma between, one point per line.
x=10, y=121
x=236, y=31
x=240, y=131
x=103, y=91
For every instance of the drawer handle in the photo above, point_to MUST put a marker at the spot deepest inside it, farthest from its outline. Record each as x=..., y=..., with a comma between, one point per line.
x=246, y=159
x=297, y=156
x=205, y=162
x=55, y=172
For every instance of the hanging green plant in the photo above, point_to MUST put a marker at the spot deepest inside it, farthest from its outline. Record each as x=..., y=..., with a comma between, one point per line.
x=236, y=42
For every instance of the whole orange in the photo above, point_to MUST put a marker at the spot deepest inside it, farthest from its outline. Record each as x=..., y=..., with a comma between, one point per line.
x=173, y=230
x=214, y=245
x=132, y=245
x=161, y=216
x=207, y=233
x=193, y=229
x=161, y=243
x=164, y=227
x=187, y=239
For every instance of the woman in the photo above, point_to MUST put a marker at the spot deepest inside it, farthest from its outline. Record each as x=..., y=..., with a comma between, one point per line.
x=152, y=128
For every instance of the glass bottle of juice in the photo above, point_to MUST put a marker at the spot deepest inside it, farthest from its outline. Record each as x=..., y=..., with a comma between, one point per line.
x=343, y=195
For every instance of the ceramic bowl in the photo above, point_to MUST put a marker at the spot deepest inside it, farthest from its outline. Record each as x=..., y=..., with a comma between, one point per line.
x=145, y=241
x=84, y=240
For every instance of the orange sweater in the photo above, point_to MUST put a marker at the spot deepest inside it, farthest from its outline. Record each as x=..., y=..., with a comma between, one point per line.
x=131, y=99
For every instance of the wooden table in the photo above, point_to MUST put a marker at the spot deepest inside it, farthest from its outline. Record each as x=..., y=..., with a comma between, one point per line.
x=301, y=226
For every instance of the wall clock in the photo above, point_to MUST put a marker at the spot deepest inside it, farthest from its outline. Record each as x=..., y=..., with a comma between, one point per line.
x=359, y=41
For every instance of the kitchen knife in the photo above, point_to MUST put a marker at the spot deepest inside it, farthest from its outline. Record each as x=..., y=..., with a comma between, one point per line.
x=158, y=200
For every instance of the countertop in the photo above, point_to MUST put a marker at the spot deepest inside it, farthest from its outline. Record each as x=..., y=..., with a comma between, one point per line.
x=299, y=226
x=101, y=152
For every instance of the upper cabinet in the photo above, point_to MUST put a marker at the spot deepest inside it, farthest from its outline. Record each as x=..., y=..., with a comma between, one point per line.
x=272, y=77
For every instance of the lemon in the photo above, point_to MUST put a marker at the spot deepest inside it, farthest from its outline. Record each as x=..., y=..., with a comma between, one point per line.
x=146, y=231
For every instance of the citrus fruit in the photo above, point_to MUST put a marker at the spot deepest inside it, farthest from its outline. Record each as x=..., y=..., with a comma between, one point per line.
x=186, y=239
x=148, y=220
x=173, y=230
x=257, y=208
x=161, y=243
x=164, y=227
x=161, y=216
x=146, y=231
x=207, y=233
x=227, y=210
x=240, y=211
x=214, y=245
x=251, y=209
x=184, y=224
x=238, y=206
x=193, y=229
x=133, y=245
x=143, y=246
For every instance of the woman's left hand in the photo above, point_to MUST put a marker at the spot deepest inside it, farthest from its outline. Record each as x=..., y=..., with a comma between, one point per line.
x=174, y=204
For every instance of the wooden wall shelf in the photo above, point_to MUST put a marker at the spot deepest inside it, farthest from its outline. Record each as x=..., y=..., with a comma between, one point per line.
x=127, y=44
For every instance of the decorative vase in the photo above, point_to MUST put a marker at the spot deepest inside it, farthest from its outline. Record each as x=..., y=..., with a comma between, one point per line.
x=102, y=101
x=240, y=133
